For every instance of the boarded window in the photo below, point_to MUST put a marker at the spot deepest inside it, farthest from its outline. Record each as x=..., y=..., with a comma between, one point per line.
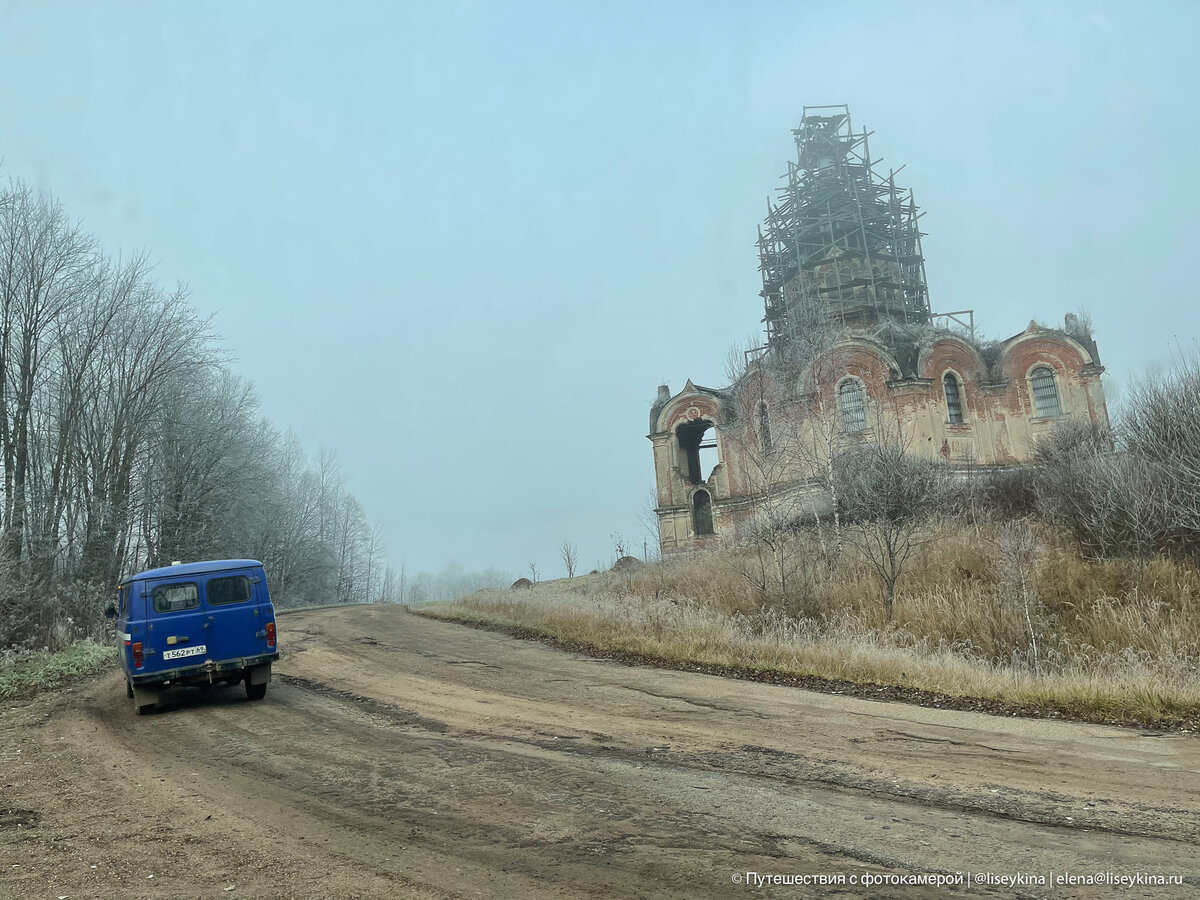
x=851, y=404
x=1045, y=392
x=764, y=426
x=702, y=517
x=953, y=399
x=175, y=597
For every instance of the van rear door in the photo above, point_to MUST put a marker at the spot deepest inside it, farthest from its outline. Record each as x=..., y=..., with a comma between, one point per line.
x=231, y=600
x=176, y=634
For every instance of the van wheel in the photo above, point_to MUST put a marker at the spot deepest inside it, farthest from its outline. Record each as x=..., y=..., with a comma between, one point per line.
x=128, y=689
x=144, y=709
x=256, y=691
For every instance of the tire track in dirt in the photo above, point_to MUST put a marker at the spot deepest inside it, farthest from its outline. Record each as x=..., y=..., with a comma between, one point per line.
x=398, y=756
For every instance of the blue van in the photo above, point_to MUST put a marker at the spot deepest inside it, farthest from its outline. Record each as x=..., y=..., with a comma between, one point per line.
x=197, y=623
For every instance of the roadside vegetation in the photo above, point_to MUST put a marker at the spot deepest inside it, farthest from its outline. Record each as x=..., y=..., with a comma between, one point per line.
x=1109, y=650
x=1068, y=588
x=27, y=672
x=127, y=442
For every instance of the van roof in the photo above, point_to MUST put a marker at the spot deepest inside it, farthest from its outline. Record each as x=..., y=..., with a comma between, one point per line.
x=194, y=568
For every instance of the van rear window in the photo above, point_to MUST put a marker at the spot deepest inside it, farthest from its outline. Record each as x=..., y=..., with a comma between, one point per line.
x=175, y=597
x=234, y=589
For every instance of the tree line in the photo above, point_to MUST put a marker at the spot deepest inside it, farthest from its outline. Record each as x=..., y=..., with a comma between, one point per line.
x=127, y=442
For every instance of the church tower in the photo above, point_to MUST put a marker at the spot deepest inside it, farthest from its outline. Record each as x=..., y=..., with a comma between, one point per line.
x=840, y=244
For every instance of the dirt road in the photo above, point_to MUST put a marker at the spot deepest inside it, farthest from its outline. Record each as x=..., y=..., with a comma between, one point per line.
x=397, y=756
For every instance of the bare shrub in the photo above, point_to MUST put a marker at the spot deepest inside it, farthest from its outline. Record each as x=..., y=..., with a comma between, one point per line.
x=1007, y=494
x=1160, y=424
x=1122, y=658
x=1136, y=492
x=888, y=497
x=1114, y=502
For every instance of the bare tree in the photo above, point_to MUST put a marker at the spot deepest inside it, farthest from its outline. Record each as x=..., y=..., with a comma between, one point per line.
x=1016, y=559
x=620, y=547
x=125, y=442
x=648, y=517
x=789, y=439
x=570, y=557
x=45, y=262
x=160, y=339
x=888, y=496
x=374, y=550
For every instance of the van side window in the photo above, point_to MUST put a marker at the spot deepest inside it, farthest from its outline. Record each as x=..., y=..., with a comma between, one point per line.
x=235, y=589
x=175, y=597
x=123, y=600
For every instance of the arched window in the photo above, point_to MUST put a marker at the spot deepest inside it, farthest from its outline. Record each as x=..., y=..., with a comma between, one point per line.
x=852, y=405
x=698, y=448
x=1045, y=392
x=764, y=426
x=702, y=518
x=953, y=399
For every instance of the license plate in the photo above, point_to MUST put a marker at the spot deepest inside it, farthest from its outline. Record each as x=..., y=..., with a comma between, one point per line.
x=198, y=650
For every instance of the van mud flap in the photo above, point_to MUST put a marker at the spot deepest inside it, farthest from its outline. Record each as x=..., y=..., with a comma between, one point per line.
x=146, y=698
x=259, y=674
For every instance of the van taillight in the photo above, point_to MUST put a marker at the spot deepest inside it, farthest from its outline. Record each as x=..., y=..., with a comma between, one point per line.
x=136, y=647
x=270, y=634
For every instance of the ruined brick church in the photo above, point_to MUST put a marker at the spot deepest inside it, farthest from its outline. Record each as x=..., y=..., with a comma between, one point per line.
x=852, y=350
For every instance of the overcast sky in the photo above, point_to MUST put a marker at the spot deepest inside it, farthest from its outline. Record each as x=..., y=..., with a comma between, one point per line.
x=461, y=244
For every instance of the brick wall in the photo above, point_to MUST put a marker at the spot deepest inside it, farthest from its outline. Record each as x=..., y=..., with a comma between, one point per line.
x=1000, y=424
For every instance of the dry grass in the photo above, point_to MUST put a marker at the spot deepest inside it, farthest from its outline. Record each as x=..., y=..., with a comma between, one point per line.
x=1111, y=648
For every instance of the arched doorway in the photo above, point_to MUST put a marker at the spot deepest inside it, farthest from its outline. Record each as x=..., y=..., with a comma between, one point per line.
x=702, y=517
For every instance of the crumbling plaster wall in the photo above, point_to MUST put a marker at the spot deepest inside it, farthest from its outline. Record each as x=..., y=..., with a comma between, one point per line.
x=1000, y=426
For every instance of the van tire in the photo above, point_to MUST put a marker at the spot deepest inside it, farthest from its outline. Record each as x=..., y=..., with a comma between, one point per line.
x=256, y=691
x=144, y=709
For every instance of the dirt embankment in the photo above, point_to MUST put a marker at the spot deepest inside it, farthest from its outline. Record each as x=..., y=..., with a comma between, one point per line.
x=397, y=756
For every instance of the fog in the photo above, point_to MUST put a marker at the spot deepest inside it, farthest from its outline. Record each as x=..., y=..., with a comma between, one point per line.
x=461, y=247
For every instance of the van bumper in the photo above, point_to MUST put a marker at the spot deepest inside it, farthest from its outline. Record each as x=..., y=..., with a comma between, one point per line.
x=208, y=671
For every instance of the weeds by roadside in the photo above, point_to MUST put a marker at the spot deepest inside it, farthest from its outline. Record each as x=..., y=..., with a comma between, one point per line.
x=1108, y=648
x=27, y=672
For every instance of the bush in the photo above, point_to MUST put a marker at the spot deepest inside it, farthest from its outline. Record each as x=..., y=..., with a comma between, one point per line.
x=1135, y=493
x=68, y=613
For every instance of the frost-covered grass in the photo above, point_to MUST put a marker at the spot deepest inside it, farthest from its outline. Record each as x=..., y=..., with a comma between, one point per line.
x=24, y=673
x=1108, y=650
